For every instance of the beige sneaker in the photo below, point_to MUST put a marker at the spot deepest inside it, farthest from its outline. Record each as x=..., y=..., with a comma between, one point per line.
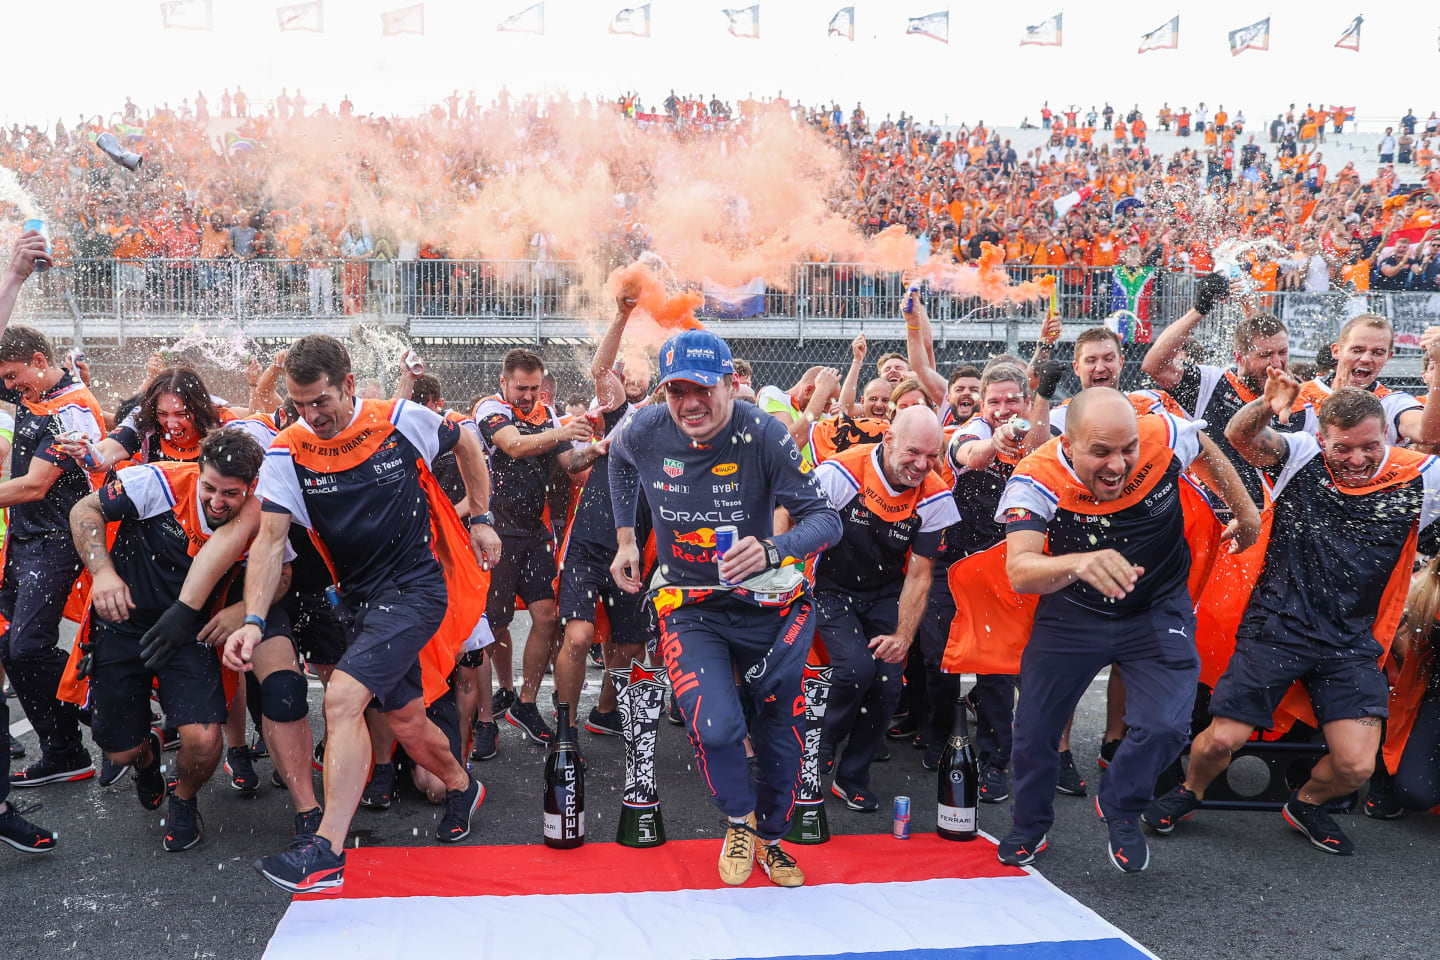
x=737, y=856
x=779, y=866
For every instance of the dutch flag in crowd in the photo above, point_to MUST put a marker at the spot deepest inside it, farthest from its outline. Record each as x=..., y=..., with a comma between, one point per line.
x=869, y=897
x=746, y=300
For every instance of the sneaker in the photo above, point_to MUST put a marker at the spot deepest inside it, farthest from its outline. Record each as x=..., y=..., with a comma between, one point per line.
x=737, y=854
x=882, y=755
x=1315, y=822
x=110, y=771
x=1381, y=803
x=903, y=729
x=1107, y=753
x=595, y=657
x=994, y=784
x=1018, y=851
x=526, y=717
x=504, y=699
x=673, y=714
x=277, y=781
x=460, y=806
x=1070, y=782
x=17, y=749
x=856, y=799
x=487, y=740
x=308, y=822
x=54, y=770
x=825, y=761
x=184, y=822
x=1169, y=809
x=240, y=770
x=170, y=736
x=317, y=756
x=380, y=791
x=901, y=713
x=605, y=724
x=1128, y=849
x=22, y=834
x=779, y=866
x=930, y=759
x=150, y=784
x=258, y=750
x=306, y=866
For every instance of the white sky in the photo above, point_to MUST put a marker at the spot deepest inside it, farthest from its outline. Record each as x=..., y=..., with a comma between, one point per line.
x=87, y=56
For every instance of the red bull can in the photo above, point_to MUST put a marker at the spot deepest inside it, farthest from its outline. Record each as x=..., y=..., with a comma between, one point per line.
x=413, y=363
x=902, y=818
x=725, y=538
x=40, y=227
x=332, y=594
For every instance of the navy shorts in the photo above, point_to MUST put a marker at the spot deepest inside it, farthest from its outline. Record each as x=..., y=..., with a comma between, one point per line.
x=319, y=632
x=1343, y=683
x=526, y=570
x=386, y=636
x=584, y=582
x=189, y=686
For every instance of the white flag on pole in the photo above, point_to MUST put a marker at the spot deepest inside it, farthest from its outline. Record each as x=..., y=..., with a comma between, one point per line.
x=302, y=16
x=745, y=22
x=843, y=23
x=187, y=15
x=1164, y=37
x=936, y=26
x=1046, y=33
x=404, y=20
x=529, y=20
x=632, y=21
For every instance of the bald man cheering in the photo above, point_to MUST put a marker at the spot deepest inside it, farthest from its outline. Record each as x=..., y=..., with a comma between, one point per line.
x=1094, y=524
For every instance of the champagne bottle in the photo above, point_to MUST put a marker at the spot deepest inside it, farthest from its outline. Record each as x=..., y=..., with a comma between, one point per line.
x=564, y=787
x=959, y=788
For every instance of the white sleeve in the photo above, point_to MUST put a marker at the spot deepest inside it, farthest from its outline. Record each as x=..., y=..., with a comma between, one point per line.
x=937, y=512
x=7, y=422
x=148, y=490
x=1396, y=404
x=837, y=483
x=1430, y=505
x=79, y=418
x=264, y=435
x=420, y=425
x=1303, y=448
x=280, y=485
x=1184, y=437
x=1027, y=493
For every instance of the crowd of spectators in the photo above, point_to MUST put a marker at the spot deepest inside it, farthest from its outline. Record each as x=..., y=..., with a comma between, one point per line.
x=1091, y=197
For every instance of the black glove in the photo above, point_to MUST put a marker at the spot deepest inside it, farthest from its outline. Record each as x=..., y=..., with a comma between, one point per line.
x=176, y=627
x=1209, y=290
x=1048, y=374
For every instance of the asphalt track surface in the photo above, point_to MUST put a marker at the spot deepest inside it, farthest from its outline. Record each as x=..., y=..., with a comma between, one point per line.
x=1224, y=885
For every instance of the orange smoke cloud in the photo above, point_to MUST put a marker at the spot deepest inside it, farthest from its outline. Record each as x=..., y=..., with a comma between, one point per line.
x=658, y=315
x=986, y=279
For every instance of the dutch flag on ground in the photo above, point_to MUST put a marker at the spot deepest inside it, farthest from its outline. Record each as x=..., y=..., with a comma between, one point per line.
x=870, y=897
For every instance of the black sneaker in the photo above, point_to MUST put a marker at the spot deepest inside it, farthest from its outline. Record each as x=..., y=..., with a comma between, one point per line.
x=17, y=749
x=460, y=806
x=240, y=770
x=856, y=799
x=605, y=724
x=1018, y=851
x=1128, y=849
x=1070, y=782
x=504, y=699
x=930, y=759
x=150, y=784
x=1315, y=822
x=1107, y=753
x=994, y=784
x=487, y=740
x=110, y=771
x=380, y=791
x=882, y=755
x=1169, y=809
x=308, y=822
x=54, y=770
x=901, y=713
x=595, y=657
x=22, y=834
x=183, y=822
x=306, y=866
x=170, y=736
x=904, y=728
x=526, y=717
x=258, y=750
x=825, y=761
x=673, y=714
x=317, y=756
x=1381, y=803
x=276, y=781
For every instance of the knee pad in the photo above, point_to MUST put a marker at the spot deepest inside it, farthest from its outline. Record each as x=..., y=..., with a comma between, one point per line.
x=284, y=696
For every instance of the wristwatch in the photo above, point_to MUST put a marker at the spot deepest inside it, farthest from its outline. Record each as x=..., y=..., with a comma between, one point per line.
x=257, y=621
x=486, y=518
x=772, y=555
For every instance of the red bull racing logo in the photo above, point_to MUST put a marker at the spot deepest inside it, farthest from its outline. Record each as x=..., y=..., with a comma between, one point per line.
x=696, y=546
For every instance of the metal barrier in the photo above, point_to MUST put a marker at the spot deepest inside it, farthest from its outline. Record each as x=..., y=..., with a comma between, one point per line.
x=537, y=300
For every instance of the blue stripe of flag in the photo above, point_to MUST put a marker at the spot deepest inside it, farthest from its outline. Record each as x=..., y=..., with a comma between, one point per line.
x=1110, y=949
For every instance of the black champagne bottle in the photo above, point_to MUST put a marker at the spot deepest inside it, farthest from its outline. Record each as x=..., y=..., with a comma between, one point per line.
x=959, y=788
x=564, y=787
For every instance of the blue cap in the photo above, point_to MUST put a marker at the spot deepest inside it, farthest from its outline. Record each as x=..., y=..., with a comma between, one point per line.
x=697, y=356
